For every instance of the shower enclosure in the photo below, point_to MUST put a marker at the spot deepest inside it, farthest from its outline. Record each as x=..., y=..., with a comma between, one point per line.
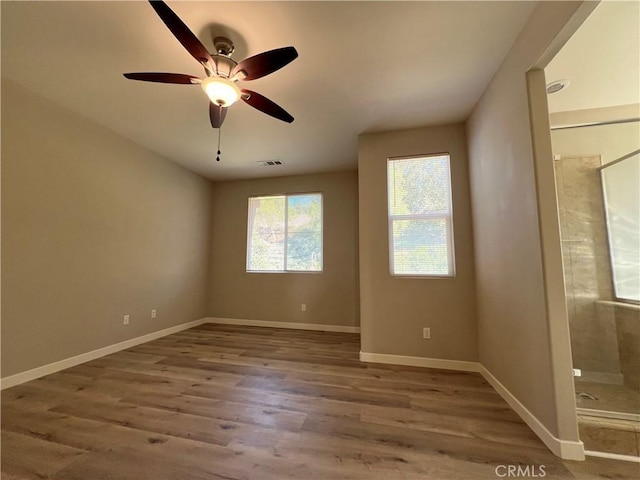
x=597, y=172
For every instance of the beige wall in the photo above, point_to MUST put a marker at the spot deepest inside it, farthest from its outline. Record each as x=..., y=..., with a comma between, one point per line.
x=394, y=310
x=591, y=116
x=609, y=141
x=331, y=296
x=522, y=339
x=93, y=227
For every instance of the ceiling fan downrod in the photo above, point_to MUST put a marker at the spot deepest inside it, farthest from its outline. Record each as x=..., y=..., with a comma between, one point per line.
x=223, y=46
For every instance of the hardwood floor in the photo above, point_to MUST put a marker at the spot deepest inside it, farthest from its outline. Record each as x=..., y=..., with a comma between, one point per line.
x=227, y=402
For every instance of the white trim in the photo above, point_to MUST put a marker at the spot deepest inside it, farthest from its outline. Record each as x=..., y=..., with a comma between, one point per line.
x=565, y=449
x=441, y=363
x=251, y=221
x=446, y=215
x=54, y=367
x=612, y=456
x=294, y=326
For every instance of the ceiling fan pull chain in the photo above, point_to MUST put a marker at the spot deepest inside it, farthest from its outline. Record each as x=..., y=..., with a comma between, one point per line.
x=218, y=157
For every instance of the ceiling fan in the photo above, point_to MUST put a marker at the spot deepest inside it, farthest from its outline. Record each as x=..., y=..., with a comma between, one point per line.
x=222, y=73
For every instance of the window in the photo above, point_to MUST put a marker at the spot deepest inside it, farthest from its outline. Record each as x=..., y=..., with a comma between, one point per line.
x=620, y=181
x=420, y=229
x=285, y=233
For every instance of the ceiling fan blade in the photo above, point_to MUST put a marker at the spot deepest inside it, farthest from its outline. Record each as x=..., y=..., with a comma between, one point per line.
x=163, y=77
x=217, y=114
x=265, y=105
x=265, y=63
x=185, y=36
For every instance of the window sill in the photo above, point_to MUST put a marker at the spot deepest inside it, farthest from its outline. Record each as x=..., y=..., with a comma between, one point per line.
x=629, y=306
x=424, y=277
x=313, y=272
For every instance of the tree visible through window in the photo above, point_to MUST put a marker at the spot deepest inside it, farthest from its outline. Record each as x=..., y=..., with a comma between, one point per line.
x=285, y=233
x=420, y=211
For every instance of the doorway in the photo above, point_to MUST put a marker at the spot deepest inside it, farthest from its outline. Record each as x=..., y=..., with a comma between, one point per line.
x=594, y=109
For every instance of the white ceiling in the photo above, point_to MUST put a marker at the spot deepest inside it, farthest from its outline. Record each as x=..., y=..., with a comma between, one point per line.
x=363, y=66
x=601, y=60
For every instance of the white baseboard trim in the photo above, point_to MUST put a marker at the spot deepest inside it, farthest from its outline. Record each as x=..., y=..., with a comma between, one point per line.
x=568, y=450
x=612, y=456
x=38, y=372
x=295, y=326
x=420, y=362
x=565, y=449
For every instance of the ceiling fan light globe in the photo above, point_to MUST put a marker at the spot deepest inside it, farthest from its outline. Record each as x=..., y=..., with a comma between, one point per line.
x=221, y=91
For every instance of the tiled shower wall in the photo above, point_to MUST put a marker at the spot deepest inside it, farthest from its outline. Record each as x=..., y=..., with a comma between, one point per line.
x=594, y=339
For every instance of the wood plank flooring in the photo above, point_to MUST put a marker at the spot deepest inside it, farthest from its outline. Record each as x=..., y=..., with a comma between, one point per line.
x=228, y=402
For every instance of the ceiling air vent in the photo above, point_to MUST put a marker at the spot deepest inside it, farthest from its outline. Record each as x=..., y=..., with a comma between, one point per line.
x=269, y=163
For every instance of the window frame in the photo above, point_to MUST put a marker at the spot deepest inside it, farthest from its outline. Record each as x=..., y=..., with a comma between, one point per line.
x=286, y=215
x=448, y=218
x=608, y=221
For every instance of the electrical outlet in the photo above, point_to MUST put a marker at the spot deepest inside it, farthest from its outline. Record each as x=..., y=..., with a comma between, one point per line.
x=577, y=372
x=126, y=320
x=426, y=333
x=154, y=313
x=303, y=307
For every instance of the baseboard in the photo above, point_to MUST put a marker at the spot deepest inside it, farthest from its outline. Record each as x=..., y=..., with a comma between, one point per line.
x=38, y=372
x=612, y=456
x=420, y=362
x=565, y=449
x=568, y=450
x=295, y=326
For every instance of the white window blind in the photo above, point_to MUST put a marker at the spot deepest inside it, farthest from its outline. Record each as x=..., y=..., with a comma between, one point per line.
x=285, y=233
x=420, y=214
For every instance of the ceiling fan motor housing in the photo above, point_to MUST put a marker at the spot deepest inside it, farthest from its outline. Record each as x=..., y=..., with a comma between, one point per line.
x=222, y=56
x=224, y=65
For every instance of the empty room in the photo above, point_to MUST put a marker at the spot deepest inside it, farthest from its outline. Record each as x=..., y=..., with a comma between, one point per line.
x=320, y=240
